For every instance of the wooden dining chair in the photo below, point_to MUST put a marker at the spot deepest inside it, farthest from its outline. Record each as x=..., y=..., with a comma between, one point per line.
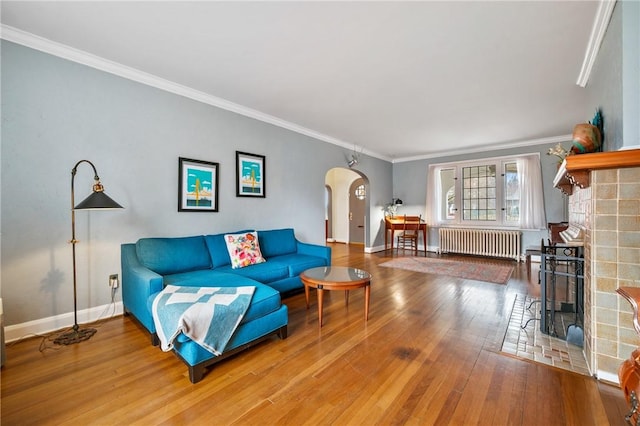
x=408, y=237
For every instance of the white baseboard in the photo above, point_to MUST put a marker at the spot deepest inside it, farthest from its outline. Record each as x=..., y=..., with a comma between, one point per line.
x=373, y=249
x=47, y=325
x=383, y=248
x=609, y=377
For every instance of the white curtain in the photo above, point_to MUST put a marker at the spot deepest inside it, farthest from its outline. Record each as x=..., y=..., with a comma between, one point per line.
x=531, y=195
x=434, y=196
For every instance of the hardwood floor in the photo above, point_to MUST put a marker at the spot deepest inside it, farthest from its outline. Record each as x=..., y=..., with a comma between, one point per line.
x=429, y=354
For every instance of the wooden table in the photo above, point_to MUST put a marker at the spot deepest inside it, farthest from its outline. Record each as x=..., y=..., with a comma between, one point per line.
x=336, y=278
x=397, y=223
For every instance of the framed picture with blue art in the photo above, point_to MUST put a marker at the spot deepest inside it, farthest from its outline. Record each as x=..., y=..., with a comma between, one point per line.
x=250, y=175
x=197, y=186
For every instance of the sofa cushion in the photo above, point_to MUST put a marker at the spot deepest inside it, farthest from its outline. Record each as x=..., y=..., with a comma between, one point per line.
x=217, y=247
x=276, y=242
x=206, y=278
x=298, y=263
x=287, y=285
x=262, y=272
x=173, y=255
x=265, y=299
x=244, y=249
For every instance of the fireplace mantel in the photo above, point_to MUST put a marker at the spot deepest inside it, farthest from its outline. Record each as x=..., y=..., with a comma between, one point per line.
x=575, y=169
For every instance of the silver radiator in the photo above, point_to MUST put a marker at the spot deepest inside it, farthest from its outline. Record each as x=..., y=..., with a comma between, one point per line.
x=480, y=242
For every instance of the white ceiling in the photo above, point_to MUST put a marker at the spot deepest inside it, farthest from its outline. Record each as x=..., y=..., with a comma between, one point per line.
x=397, y=79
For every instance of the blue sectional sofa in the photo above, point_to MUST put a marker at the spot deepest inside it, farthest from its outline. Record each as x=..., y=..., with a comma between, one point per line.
x=203, y=261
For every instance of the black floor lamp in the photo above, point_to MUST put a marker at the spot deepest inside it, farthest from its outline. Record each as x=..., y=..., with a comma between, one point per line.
x=98, y=200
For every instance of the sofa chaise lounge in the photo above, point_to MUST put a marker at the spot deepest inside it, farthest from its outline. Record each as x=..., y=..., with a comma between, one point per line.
x=150, y=264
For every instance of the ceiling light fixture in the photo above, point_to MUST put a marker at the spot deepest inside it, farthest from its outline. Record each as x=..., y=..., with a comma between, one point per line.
x=355, y=157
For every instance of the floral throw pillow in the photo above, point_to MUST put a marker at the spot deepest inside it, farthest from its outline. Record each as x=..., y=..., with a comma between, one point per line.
x=243, y=249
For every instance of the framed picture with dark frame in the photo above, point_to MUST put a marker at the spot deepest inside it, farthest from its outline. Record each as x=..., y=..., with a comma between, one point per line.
x=197, y=185
x=250, y=175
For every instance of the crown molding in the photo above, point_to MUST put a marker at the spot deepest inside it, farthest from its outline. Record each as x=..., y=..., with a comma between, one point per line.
x=486, y=148
x=60, y=50
x=600, y=24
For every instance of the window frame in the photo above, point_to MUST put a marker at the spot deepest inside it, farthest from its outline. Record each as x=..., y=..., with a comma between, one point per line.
x=458, y=166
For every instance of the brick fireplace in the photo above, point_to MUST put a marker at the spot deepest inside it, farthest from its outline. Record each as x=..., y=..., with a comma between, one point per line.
x=604, y=199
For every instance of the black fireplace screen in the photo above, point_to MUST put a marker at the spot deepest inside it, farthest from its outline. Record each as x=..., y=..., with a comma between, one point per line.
x=562, y=292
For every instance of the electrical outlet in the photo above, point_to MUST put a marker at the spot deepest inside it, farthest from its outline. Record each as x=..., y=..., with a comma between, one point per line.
x=113, y=281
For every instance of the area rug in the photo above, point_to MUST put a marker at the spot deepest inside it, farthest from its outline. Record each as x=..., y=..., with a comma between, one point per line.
x=489, y=272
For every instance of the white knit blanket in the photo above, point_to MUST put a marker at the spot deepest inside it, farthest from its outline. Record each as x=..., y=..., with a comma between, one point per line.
x=207, y=315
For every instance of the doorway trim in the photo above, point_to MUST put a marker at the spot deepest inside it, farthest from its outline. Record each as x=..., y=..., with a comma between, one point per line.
x=339, y=179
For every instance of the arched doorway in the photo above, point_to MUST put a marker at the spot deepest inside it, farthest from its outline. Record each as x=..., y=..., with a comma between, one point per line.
x=341, y=215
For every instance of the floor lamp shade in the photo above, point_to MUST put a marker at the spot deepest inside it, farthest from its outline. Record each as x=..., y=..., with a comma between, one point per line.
x=97, y=200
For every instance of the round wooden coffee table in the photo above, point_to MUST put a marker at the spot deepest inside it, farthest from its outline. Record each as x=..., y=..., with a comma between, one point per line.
x=336, y=278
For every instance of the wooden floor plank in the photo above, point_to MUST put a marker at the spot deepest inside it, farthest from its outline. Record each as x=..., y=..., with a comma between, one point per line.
x=429, y=354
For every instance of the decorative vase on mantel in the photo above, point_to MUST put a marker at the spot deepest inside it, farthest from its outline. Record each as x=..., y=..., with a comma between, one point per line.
x=586, y=138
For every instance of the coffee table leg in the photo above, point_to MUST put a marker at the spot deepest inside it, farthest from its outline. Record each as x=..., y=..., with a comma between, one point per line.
x=306, y=294
x=320, y=299
x=367, y=296
x=346, y=297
